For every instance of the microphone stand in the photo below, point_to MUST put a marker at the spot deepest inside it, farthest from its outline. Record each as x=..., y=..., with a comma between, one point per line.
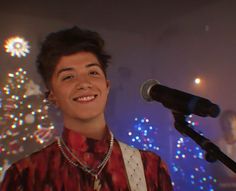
x=213, y=152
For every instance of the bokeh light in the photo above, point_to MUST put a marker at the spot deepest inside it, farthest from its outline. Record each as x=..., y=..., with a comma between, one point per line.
x=197, y=81
x=17, y=46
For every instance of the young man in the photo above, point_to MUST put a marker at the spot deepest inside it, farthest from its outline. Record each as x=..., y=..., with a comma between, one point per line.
x=86, y=157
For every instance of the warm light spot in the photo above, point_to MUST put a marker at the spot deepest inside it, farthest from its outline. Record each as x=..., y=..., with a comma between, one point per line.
x=17, y=46
x=197, y=81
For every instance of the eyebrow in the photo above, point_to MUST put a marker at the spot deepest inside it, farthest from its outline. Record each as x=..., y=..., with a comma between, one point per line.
x=70, y=69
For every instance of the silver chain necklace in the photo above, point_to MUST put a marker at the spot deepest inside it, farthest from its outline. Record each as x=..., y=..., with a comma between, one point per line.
x=94, y=172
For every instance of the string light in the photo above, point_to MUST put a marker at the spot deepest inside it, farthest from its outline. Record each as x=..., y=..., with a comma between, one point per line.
x=23, y=119
x=142, y=135
x=194, y=176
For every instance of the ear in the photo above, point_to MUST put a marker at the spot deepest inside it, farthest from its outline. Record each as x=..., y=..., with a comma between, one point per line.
x=52, y=98
x=108, y=85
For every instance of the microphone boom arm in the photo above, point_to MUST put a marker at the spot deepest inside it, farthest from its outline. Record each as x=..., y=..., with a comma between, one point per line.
x=213, y=152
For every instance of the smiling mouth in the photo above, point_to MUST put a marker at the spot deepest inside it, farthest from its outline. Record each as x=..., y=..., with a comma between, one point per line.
x=83, y=99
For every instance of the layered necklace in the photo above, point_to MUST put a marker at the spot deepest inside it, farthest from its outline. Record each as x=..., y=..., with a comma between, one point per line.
x=92, y=171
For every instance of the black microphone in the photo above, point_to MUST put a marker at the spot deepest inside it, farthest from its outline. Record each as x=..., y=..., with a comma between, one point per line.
x=178, y=101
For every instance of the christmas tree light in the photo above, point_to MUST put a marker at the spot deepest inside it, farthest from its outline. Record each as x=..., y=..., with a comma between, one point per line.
x=142, y=135
x=25, y=124
x=188, y=168
x=195, y=175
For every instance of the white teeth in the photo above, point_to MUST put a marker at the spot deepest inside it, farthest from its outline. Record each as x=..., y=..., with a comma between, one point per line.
x=86, y=98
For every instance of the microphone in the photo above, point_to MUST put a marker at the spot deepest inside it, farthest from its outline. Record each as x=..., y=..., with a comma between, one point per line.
x=178, y=101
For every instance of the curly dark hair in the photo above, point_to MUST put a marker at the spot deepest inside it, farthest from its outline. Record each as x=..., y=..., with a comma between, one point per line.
x=66, y=42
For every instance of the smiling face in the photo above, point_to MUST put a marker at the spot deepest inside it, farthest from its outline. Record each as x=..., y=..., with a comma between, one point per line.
x=79, y=88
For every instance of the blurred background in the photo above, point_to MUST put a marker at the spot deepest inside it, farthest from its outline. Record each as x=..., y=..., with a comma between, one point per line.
x=187, y=45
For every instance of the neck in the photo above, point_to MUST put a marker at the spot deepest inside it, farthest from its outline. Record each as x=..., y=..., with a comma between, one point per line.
x=94, y=129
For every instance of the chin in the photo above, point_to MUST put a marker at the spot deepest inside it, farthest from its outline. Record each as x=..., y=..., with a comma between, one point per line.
x=89, y=117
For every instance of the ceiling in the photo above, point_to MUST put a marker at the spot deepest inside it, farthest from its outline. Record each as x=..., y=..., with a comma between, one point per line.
x=134, y=15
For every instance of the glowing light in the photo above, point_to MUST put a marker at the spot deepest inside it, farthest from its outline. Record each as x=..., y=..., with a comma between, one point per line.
x=17, y=46
x=200, y=155
x=157, y=148
x=21, y=122
x=197, y=81
x=11, y=75
x=198, y=176
x=141, y=134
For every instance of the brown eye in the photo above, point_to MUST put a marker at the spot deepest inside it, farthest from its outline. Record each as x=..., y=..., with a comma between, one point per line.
x=94, y=73
x=68, y=77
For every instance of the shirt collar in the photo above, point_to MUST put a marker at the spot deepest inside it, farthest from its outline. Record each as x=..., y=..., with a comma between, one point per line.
x=79, y=143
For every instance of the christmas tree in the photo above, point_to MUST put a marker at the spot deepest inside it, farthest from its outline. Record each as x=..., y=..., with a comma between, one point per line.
x=143, y=135
x=189, y=168
x=24, y=123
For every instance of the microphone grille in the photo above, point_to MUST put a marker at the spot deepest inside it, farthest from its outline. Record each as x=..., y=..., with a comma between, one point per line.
x=146, y=88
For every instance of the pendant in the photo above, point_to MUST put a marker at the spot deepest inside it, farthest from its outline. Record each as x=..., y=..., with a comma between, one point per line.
x=97, y=183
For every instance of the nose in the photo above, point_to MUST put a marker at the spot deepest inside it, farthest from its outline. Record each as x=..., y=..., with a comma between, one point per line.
x=83, y=82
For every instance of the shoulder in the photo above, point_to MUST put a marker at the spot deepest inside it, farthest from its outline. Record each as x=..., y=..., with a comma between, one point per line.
x=151, y=161
x=146, y=155
x=25, y=171
x=155, y=168
x=37, y=157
